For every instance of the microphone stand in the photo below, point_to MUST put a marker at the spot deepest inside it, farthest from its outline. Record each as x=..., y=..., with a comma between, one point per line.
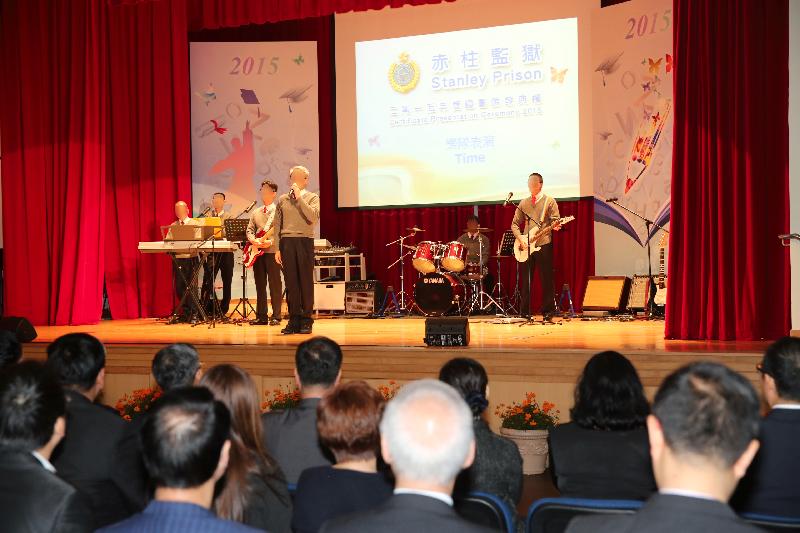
x=647, y=224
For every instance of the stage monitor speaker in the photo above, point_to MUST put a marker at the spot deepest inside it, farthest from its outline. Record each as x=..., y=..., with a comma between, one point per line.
x=22, y=327
x=606, y=293
x=639, y=294
x=447, y=331
x=363, y=297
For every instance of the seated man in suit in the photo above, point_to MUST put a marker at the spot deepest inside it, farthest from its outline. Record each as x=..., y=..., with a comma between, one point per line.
x=10, y=349
x=291, y=435
x=174, y=366
x=186, y=446
x=702, y=430
x=85, y=457
x=32, y=422
x=771, y=485
x=427, y=438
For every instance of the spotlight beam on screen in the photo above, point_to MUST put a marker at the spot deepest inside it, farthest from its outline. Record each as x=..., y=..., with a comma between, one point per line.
x=465, y=116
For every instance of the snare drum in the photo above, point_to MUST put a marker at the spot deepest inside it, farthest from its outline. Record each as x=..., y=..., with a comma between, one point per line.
x=474, y=271
x=439, y=293
x=455, y=256
x=425, y=257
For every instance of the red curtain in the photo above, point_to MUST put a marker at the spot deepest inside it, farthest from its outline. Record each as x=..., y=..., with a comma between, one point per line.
x=728, y=274
x=53, y=122
x=149, y=150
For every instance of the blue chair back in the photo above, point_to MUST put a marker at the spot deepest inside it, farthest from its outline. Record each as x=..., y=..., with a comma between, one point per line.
x=780, y=524
x=487, y=510
x=552, y=515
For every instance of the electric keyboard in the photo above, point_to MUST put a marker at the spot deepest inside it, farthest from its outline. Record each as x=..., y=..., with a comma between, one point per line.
x=186, y=247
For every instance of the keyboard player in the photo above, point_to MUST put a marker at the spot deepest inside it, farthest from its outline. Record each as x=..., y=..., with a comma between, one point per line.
x=182, y=269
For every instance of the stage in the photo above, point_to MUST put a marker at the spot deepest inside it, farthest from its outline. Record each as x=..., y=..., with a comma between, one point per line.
x=546, y=359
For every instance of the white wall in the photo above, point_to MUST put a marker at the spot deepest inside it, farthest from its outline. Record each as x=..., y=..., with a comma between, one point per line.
x=794, y=156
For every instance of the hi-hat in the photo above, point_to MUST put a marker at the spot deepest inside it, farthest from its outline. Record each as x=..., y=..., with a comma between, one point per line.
x=414, y=229
x=484, y=230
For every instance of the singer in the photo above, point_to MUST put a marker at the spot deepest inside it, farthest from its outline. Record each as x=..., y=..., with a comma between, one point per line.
x=296, y=215
x=542, y=209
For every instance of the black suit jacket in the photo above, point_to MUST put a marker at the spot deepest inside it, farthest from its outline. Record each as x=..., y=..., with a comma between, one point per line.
x=404, y=513
x=291, y=439
x=664, y=513
x=771, y=485
x=129, y=470
x=85, y=457
x=35, y=500
x=589, y=463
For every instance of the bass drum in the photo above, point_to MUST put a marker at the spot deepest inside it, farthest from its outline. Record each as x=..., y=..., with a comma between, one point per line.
x=439, y=293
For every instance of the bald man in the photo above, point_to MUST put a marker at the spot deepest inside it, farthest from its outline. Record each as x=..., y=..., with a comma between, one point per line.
x=182, y=269
x=427, y=439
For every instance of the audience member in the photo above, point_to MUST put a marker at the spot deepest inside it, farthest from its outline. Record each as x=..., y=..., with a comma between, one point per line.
x=254, y=490
x=347, y=422
x=604, y=451
x=771, y=485
x=186, y=450
x=174, y=366
x=85, y=457
x=497, y=468
x=427, y=438
x=702, y=439
x=10, y=349
x=291, y=435
x=32, y=422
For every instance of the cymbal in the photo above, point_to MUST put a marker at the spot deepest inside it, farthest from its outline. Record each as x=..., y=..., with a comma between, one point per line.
x=415, y=229
x=409, y=247
x=480, y=230
x=501, y=256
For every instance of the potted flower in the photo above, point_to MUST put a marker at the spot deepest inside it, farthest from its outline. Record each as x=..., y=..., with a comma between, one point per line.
x=281, y=398
x=389, y=391
x=527, y=424
x=140, y=400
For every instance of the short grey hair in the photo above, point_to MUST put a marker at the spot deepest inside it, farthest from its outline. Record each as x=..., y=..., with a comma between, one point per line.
x=301, y=168
x=427, y=429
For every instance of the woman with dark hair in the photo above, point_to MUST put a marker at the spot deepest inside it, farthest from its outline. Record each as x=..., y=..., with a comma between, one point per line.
x=604, y=451
x=254, y=489
x=497, y=468
x=347, y=423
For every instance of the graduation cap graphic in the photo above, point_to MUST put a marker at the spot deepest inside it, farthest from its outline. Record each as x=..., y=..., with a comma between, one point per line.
x=249, y=96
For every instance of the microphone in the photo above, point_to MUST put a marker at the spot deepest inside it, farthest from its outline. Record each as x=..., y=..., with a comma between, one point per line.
x=251, y=206
x=508, y=199
x=204, y=213
x=612, y=199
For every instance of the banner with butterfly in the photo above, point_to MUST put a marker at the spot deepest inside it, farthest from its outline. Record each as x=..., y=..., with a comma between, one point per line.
x=632, y=120
x=254, y=116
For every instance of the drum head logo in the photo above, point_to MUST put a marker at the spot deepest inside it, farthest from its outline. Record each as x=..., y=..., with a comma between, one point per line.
x=404, y=75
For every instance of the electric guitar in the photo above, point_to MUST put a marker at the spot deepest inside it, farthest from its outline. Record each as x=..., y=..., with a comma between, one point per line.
x=252, y=252
x=536, y=233
x=660, y=298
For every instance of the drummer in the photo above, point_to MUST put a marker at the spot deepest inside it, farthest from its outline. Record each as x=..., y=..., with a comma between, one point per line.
x=476, y=243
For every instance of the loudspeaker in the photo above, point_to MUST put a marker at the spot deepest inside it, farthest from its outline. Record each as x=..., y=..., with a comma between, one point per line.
x=20, y=326
x=640, y=293
x=363, y=297
x=446, y=331
x=606, y=293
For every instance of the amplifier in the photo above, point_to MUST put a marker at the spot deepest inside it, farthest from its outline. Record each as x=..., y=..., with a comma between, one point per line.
x=639, y=293
x=329, y=296
x=363, y=297
x=446, y=331
x=606, y=293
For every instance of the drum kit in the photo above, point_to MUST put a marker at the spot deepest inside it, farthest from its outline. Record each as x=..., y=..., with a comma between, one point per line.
x=447, y=284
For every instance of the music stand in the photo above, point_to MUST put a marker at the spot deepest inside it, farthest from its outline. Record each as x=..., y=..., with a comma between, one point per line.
x=236, y=231
x=505, y=249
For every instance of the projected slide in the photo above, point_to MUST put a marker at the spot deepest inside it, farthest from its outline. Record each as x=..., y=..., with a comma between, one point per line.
x=465, y=116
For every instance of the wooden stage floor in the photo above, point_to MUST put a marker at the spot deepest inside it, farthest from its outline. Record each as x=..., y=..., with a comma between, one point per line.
x=393, y=348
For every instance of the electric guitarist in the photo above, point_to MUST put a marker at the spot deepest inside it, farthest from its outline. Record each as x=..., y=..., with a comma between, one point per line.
x=260, y=253
x=543, y=211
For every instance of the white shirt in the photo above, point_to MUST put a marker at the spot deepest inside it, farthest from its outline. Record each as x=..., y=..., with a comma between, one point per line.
x=687, y=494
x=795, y=406
x=44, y=462
x=184, y=221
x=441, y=496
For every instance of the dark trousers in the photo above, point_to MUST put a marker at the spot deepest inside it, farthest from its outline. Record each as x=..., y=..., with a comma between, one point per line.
x=182, y=270
x=543, y=262
x=297, y=254
x=267, y=269
x=223, y=264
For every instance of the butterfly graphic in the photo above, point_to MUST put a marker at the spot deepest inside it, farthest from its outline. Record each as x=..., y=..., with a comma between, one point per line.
x=299, y=59
x=655, y=66
x=656, y=118
x=217, y=127
x=646, y=86
x=375, y=141
x=670, y=64
x=557, y=75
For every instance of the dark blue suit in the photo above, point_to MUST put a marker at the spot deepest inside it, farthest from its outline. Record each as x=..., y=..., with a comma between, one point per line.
x=167, y=517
